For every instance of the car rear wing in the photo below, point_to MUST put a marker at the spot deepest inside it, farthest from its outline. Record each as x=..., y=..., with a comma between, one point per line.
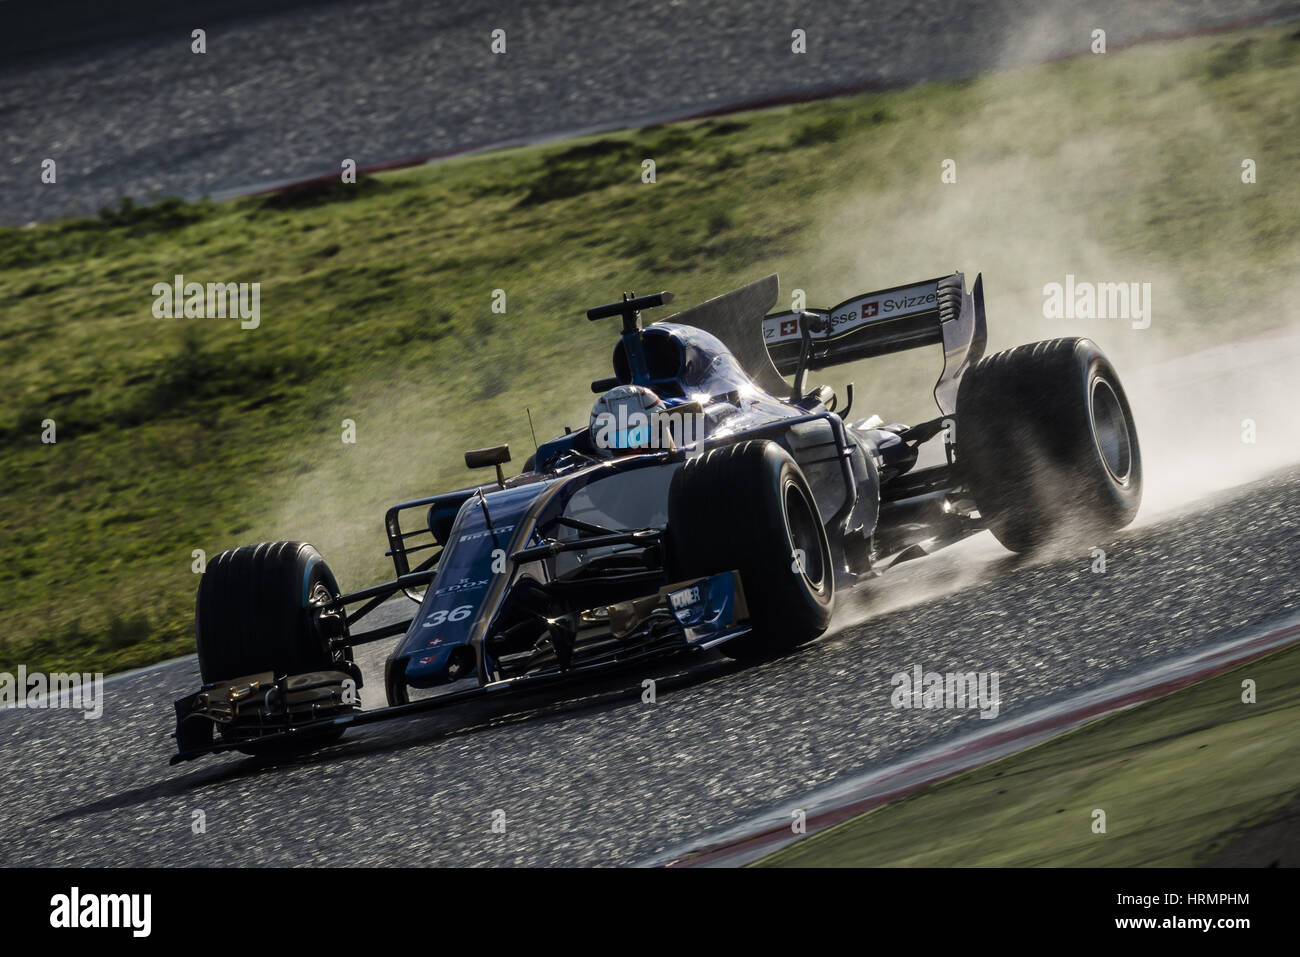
x=940, y=311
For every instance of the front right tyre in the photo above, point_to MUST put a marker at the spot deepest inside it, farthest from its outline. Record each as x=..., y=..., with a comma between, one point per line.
x=268, y=608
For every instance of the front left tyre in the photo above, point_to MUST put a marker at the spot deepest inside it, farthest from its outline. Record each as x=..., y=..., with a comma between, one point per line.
x=748, y=507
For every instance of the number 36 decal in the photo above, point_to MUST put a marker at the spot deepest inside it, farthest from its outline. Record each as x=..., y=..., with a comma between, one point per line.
x=459, y=613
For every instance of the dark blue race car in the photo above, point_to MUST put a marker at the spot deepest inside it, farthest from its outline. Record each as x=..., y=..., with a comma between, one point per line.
x=715, y=499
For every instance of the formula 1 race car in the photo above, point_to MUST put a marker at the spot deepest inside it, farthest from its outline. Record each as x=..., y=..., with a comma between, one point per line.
x=710, y=502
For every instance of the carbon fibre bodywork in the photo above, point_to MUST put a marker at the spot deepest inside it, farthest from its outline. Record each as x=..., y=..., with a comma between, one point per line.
x=563, y=568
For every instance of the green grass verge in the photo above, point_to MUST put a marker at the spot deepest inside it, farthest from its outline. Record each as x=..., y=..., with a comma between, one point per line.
x=175, y=435
x=1178, y=778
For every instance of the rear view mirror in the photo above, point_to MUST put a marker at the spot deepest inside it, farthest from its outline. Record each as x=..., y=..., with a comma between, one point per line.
x=496, y=455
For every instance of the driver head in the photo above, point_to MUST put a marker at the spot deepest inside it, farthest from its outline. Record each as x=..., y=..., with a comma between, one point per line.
x=623, y=420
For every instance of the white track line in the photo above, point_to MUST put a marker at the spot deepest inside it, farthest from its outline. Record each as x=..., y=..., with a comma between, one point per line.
x=770, y=831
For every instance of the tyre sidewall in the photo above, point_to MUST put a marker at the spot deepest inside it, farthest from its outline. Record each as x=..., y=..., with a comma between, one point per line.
x=1031, y=455
x=728, y=510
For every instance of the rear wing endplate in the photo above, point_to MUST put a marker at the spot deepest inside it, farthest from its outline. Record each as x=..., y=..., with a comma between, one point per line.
x=940, y=311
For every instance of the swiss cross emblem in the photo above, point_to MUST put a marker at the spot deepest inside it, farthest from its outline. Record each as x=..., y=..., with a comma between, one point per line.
x=789, y=327
x=869, y=309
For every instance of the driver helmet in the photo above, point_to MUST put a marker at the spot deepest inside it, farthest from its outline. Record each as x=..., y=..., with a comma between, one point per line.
x=624, y=420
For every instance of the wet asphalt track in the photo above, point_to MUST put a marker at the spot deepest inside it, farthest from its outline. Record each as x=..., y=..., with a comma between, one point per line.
x=603, y=778
x=289, y=88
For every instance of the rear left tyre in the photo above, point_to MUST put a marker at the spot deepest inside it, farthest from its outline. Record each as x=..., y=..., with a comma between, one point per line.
x=1047, y=445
